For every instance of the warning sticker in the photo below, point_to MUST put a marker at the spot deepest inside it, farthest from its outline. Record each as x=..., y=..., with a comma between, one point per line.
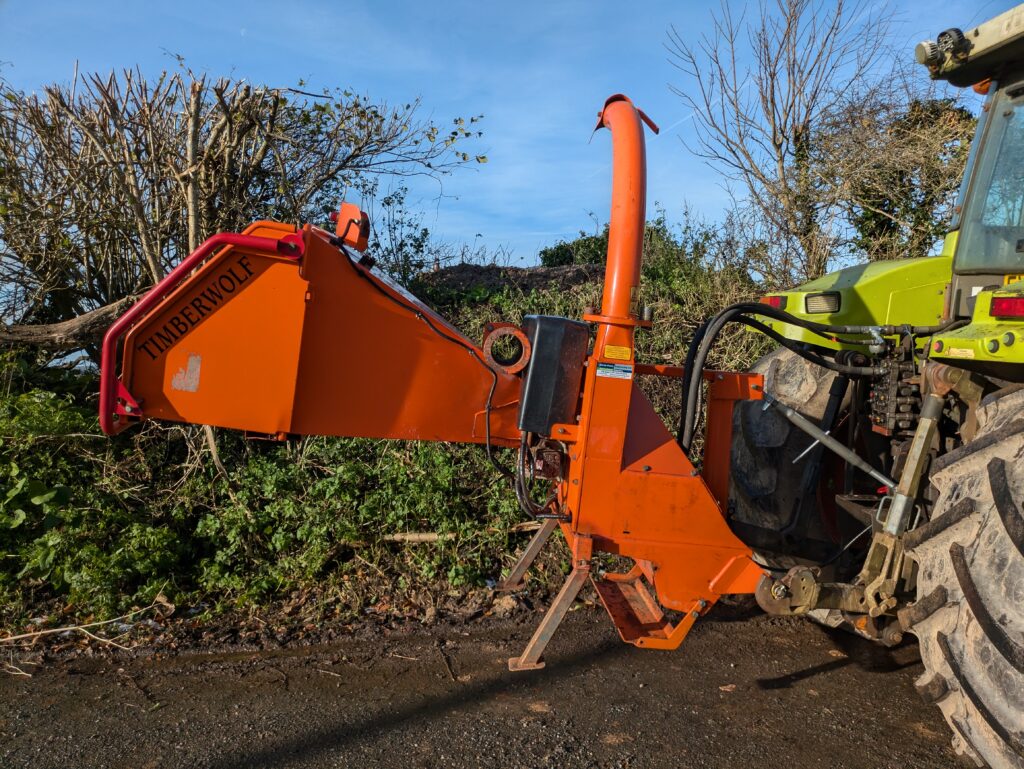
x=617, y=353
x=615, y=370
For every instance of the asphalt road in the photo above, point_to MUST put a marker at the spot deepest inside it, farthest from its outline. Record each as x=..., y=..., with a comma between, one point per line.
x=743, y=691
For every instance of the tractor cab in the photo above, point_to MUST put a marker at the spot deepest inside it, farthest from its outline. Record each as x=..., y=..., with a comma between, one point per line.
x=987, y=231
x=989, y=216
x=987, y=234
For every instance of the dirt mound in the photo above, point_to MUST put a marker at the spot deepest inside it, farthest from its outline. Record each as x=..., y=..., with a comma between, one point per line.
x=465, y=278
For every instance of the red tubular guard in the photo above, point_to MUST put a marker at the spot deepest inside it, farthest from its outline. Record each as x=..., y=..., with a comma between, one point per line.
x=115, y=400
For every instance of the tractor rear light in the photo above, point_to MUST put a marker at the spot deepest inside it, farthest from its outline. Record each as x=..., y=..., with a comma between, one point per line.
x=819, y=303
x=1007, y=307
x=776, y=301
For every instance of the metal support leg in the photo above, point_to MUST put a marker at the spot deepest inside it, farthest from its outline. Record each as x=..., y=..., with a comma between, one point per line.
x=514, y=580
x=530, y=659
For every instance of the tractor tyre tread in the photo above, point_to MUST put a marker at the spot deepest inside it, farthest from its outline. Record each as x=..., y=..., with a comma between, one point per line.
x=973, y=640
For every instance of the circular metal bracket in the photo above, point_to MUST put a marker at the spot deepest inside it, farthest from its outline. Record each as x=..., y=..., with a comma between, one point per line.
x=512, y=364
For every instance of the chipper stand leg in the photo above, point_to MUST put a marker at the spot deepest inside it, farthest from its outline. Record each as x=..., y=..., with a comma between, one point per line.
x=530, y=659
x=514, y=580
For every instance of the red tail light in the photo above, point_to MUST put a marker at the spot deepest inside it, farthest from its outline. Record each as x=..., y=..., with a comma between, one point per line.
x=1007, y=307
x=778, y=302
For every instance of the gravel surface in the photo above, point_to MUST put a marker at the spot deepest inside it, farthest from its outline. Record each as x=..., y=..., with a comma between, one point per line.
x=743, y=691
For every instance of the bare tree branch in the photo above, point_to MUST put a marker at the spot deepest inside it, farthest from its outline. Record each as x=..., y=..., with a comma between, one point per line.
x=69, y=335
x=106, y=183
x=759, y=89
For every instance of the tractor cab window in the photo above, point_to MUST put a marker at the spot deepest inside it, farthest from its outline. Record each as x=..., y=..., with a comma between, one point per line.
x=992, y=222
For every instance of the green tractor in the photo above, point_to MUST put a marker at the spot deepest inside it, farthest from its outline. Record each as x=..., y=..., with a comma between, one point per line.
x=883, y=482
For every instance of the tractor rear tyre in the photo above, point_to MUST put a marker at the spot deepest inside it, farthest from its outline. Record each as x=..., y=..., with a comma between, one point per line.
x=969, y=614
x=765, y=483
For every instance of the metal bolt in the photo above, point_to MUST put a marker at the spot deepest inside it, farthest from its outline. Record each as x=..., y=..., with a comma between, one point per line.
x=779, y=591
x=561, y=431
x=892, y=635
x=575, y=481
x=128, y=409
x=647, y=468
x=702, y=604
x=1009, y=338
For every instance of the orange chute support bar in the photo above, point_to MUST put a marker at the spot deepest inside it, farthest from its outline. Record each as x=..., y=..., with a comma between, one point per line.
x=299, y=339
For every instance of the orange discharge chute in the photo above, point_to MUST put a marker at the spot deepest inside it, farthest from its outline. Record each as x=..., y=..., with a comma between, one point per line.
x=290, y=332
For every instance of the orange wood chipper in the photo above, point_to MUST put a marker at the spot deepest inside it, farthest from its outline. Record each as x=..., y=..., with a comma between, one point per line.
x=283, y=331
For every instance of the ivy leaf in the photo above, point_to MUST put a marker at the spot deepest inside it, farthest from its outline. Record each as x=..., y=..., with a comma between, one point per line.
x=41, y=499
x=15, y=490
x=36, y=490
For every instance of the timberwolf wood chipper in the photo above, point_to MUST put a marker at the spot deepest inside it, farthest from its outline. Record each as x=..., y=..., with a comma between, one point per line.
x=868, y=473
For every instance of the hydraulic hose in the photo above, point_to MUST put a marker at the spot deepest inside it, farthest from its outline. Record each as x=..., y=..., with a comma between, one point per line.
x=826, y=330
x=695, y=359
x=823, y=330
x=813, y=357
x=708, y=332
x=521, y=484
x=706, y=335
x=757, y=308
x=949, y=325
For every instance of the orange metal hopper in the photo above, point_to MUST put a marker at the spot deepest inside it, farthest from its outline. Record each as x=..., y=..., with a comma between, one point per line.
x=260, y=340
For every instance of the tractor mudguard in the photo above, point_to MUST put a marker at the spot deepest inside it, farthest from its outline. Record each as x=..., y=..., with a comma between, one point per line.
x=898, y=292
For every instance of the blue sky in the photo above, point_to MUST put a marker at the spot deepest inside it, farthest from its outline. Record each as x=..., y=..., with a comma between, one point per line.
x=537, y=71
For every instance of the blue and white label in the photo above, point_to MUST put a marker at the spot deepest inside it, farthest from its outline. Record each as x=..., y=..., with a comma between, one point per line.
x=615, y=370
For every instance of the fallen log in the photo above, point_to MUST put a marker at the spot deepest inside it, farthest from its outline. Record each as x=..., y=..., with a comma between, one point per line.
x=66, y=336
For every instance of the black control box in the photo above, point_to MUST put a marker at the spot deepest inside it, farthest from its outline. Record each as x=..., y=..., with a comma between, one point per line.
x=551, y=386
